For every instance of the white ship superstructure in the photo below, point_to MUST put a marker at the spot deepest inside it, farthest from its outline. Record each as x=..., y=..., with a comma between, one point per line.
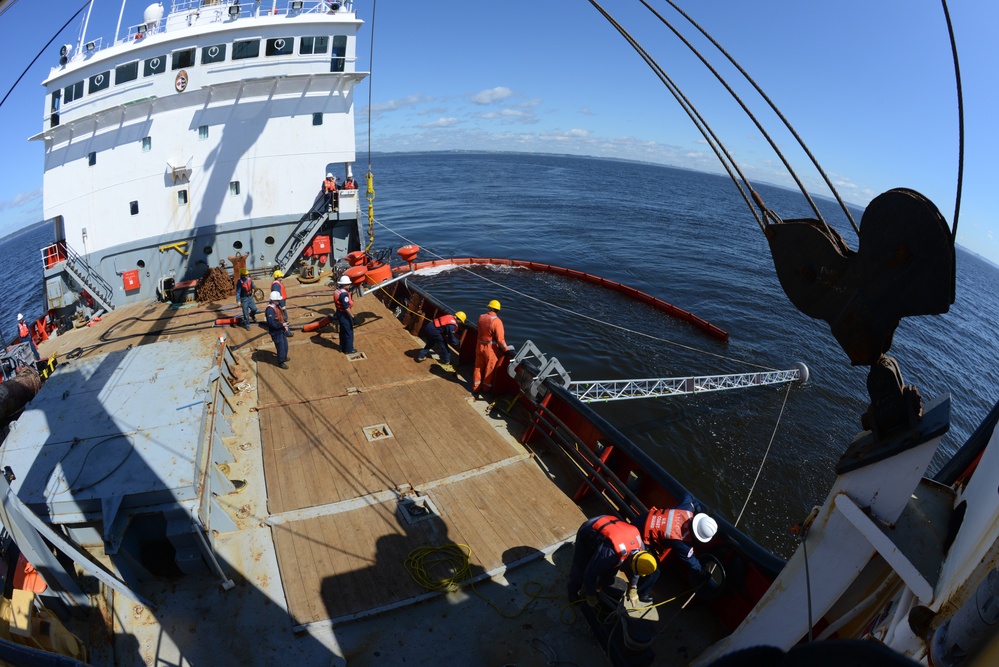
x=201, y=134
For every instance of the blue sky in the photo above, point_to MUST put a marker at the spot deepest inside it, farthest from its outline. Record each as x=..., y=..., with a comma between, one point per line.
x=868, y=85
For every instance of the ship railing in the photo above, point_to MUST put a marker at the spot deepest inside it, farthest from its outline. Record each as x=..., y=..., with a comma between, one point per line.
x=589, y=391
x=213, y=456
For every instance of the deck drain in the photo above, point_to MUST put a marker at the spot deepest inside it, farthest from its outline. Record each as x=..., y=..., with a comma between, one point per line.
x=413, y=510
x=357, y=356
x=377, y=432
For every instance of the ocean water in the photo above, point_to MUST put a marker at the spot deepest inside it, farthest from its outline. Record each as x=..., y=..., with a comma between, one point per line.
x=685, y=237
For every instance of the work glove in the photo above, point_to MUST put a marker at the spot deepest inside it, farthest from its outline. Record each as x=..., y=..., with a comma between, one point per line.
x=592, y=600
x=633, y=595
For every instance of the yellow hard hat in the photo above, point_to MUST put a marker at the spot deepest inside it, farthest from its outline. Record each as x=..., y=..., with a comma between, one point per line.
x=278, y=273
x=494, y=304
x=244, y=272
x=643, y=563
x=461, y=316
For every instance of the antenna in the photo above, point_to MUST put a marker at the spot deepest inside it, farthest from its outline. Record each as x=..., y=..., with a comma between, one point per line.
x=83, y=33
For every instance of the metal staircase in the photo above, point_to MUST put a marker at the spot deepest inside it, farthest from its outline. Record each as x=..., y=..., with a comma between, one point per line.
x=98, y=288
x=297, y=240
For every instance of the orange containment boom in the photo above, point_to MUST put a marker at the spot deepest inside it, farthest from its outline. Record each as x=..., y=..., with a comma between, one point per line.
x=318, y=324
x=659, y=304
x=228, y=321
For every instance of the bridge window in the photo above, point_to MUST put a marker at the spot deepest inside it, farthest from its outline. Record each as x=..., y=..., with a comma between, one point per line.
x=183, y=58
x=153, y=66
x=127, y=72
x=202, y=132
x=182, y=198
x=147, y=144
x=282, y=46
x=133, y=207
x=233, y=188
x=246, y=49
x=339, y=53
x=309, y=45
x=99, y=82
x=317, y=119
x=213, y=54
x=56, y=102
x=74, y=91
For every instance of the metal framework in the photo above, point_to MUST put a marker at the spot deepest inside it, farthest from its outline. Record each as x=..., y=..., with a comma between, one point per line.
x=590, y=391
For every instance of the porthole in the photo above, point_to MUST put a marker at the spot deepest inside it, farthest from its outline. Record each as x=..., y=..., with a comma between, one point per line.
x=208, y=250
x=269, y=240
x=141, y=264
x=238, y=245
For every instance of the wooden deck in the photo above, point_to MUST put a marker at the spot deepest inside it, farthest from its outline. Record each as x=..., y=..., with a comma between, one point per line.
x=333, y=493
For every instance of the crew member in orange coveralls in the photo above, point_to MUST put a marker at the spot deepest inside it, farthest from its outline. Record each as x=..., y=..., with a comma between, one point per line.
x=491, y=344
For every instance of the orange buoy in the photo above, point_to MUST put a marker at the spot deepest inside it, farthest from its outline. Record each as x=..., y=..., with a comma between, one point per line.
x=408, y=252
x=356, y=258
x=227, y=321
x=307, y=252
x=322, y=260
x=318, y=324
x=356, y=274
x=378, y=272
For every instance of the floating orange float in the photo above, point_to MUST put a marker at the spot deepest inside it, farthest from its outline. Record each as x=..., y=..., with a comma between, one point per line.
x=408, y=252
x=378, y=271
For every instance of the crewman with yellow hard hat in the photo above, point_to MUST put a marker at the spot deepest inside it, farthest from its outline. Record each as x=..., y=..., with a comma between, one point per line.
x=439, y=332
x=604, y=545
x=490, y=346
x=278, y=286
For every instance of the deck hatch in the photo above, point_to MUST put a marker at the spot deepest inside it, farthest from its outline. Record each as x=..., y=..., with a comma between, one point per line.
x=377, y=432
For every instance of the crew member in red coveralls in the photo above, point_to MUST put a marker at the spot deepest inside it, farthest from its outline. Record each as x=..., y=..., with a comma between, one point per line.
x=604, y=545
x=344, y=302
x=439, y=332
x=673, y=529
x=278, y=286
x=25, y=333
x=491, y=344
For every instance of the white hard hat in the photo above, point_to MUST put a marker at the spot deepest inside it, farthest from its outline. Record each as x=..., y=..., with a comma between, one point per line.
x=20, y=317
x=344, y=280
x=704, y=527
x=329, y=174
x=275, y=296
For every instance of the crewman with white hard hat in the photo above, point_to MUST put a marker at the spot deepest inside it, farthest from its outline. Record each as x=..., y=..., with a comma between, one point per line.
x=675, y=530
x=277, y=326
x=344, y=302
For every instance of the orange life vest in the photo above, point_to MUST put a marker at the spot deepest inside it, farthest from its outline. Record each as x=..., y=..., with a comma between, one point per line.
x=667, y=525
x=22, y=330
x=625, y=537
x=445, y=320
x=336, y=298
x=278, y=286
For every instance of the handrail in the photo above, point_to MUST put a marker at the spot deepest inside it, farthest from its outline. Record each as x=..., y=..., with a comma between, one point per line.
x=99, y=288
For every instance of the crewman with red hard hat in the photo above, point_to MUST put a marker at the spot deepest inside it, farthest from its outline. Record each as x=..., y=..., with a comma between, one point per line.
x=605, y=545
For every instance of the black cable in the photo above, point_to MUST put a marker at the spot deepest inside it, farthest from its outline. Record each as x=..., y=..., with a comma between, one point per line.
x=43, y=51
x=960, y=122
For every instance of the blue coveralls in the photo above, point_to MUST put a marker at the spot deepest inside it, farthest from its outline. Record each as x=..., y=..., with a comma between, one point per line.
x=346, y=321
x=244, y=297
x=436, y=337
x=275, y=325
x=595, y=563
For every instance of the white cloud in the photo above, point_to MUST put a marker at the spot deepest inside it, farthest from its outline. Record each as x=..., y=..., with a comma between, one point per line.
x=492, y=95
x=442, y=122
x=21, y=199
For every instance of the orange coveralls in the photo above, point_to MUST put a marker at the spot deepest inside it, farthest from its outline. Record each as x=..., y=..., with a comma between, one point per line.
x=490, y=345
